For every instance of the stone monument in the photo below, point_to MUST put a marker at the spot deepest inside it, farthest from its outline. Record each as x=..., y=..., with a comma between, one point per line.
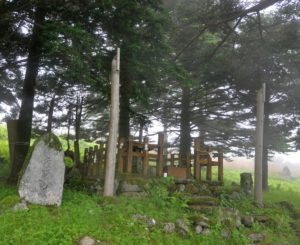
x=246, y=183
x=286, y=173
x=42, y=178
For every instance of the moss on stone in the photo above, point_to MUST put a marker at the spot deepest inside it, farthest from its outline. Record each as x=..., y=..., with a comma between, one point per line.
x=9, y=202
x=203, y=200
x=52, y=141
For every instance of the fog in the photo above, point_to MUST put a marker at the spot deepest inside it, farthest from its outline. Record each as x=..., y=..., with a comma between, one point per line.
x=291, y=160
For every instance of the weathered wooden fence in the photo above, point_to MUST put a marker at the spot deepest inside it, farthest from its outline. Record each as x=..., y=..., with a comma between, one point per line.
x=203, y=158
x=94, y=161
x=148, y=160
x=142, y=154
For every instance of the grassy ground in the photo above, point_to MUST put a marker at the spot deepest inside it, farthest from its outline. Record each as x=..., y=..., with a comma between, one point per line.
x=110, y=219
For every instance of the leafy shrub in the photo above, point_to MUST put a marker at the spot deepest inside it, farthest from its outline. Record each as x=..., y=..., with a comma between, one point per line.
x=68, y=162
x=159, y=191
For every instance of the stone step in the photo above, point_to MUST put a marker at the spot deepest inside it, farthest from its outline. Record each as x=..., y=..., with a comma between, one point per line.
x=203, y=200
x=202, y=208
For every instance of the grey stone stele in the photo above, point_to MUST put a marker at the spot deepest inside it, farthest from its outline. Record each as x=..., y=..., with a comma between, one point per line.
x=43, y=179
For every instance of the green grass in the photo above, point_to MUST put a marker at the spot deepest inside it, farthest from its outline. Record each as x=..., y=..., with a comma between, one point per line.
x=110, y=219
x=105, y=219
x=279, y=189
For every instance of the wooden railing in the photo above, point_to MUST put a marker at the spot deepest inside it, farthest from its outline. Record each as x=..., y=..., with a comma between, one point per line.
x=203, y=158
x=131, y=151
x=94, y=161
x=139, y=158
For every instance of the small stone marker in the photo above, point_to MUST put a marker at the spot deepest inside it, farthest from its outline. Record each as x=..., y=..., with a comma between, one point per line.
x=246, y=183
x=43, y=178
x=286, y=173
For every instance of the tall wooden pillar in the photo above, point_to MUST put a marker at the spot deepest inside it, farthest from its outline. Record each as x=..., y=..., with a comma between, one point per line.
x=160, y=155
x=197, y=158
x=220, y=165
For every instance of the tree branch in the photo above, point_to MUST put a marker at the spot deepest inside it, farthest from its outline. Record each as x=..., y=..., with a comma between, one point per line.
x=260, y=6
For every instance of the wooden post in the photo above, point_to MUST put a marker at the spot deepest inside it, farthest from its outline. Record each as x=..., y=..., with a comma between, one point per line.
x=197, y=158
x=111, y=150
x=96, y=161
x=208, y=169
x=188, y=166
x=129, y=154
x=259, y=144
x=220, y=165
x=160, y=155
x=120, y=156
x=86, y=155
x=146, y=157
x=90, y=161
x=101, y=156
x=165, y=147
x=172, y=160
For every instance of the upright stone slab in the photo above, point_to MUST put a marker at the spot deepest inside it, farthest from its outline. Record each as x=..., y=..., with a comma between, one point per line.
x=246, y=183
x=286, y=173
x=44, y=169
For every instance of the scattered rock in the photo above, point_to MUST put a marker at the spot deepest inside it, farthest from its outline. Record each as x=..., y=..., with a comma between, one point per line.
x=182, y=227
x=205, y=232
x=139, y=217
x=134, y=194
x=235, y=196
x=43, y=179
x=198, y=229
x=230, y=217
x=247, y=220
x=199, y=218
x=256, y=237
x=127, y=187
x=150, y=222
x=191, y=189
x=181, y=188
x=203, y=224
x=215, y=191
x=246, y=183
x=226, y=234
x=169, y=227
x=86, y=240
x=20, y=206
x=264, y=220
x=202, y=208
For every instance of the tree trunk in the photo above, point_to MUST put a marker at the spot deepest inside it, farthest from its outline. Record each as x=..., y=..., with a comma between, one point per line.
x=25, y=117
x=124, y=123
x=141, y=129
x=259, y=145
x=266, y=141
x=79, y=104
x=50, y=114
x=185, y=128
x=69, y=126
x=113, y=128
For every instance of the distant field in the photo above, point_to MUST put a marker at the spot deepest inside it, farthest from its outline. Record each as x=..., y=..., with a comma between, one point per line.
x=4, y=150
x=275, y=166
